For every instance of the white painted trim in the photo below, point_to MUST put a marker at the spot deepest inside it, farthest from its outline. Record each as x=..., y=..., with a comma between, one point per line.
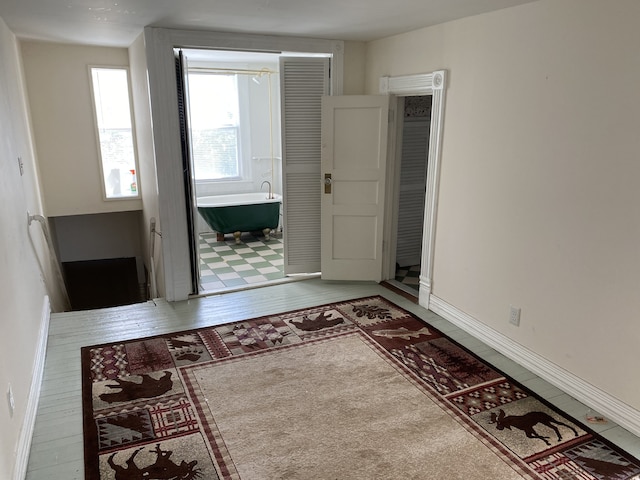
x=26, y=432
x=411, y=85
x=433, y=84
x=392, y=189
x=159, y=45
x=609, y=406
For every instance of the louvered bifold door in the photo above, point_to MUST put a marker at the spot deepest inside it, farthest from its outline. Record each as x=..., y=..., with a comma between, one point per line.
x=303, y=82
x=187, y=167
x=413, y=181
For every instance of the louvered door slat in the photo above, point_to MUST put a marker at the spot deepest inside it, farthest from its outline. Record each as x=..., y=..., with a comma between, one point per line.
x=413, y=179
x=303, y=83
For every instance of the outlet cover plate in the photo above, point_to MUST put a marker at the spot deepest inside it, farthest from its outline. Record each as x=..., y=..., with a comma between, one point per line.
x=514, y=316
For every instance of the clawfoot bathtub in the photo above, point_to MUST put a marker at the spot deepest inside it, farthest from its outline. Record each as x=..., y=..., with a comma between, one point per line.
x=243, y=212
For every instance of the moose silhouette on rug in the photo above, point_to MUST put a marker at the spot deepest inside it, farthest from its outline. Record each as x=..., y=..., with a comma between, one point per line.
x=148, y=388
x=166, y=407
x=162, y=469
x=526, y=423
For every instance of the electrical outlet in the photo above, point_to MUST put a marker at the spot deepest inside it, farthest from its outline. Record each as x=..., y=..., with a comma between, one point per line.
x=514, y=316
x=11, y=401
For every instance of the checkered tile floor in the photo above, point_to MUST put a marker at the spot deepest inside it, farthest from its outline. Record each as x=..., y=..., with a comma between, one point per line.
x=409, y=276
x=225, y=264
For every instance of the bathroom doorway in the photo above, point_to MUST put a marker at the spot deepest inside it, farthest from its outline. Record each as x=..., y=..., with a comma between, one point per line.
x=411, y=183
x=242, y=152
x=231, y=144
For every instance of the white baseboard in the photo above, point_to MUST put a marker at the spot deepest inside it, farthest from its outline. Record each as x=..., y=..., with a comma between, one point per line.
x=26, y=432
x=599, y=400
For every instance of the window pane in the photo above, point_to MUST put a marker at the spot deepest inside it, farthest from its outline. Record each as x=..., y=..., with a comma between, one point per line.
x=214, y=121
x=113, y=117
x=215, y=152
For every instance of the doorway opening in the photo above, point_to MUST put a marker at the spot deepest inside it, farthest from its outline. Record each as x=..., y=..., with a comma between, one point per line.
x=232, y=129
x=410, y=189
x=232, y=150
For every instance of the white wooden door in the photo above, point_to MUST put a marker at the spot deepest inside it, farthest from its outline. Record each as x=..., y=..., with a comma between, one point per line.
x=354, y=155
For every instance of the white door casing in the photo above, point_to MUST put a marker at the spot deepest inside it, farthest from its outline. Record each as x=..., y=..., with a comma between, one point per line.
x=354, y=153
x=433, y=84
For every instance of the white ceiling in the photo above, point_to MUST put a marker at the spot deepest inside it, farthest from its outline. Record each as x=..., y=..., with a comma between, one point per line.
x=119, y=22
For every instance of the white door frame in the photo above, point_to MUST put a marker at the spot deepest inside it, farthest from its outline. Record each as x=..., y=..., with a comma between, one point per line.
x=159, y=45
x=433, y=84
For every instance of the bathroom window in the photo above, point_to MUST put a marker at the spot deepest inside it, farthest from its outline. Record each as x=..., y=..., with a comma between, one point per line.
x=215, y=125
x=110, y=87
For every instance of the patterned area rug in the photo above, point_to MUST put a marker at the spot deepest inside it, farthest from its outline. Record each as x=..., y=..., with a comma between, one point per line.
x=360, y=389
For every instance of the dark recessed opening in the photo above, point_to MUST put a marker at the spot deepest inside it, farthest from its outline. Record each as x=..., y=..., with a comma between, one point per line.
x=103, y=283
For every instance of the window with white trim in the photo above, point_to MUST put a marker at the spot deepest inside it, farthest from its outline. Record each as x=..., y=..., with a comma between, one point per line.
x=113, y=115
x=214, y=116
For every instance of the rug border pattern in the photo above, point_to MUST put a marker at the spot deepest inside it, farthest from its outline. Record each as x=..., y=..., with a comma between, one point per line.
x=524, y=466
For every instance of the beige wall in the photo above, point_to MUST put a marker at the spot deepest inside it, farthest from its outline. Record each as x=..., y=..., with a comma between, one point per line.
x=354, y=58
x=57, y=78
x=538, y=200
x=24, y=258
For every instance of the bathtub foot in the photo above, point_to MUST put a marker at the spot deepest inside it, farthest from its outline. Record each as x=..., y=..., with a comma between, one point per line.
x=219, y=237
x=267, y=232
x=236, y=235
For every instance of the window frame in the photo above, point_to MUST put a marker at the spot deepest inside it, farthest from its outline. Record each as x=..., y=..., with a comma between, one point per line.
x=244, y=130
x=134, y=140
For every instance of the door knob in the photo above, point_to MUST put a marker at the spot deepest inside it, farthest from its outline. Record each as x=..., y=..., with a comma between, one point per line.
x=327, y=183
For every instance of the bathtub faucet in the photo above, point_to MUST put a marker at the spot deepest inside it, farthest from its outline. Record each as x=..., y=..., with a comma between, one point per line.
x=270, y=195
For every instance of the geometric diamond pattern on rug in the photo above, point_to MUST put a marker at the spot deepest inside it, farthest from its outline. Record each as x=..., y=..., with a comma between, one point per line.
x=124, y=428
x=487, y=397
x=256, y=334
x=142, y=412
x=444, y=365
x=602, y=462
x=428, y=370
x=108, y=363
x=460, y=364
x=225, y=264
x=558, y=467
x=211, y=339
x=173, y=418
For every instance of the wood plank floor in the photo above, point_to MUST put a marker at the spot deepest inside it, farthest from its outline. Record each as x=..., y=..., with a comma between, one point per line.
x=57, y=451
